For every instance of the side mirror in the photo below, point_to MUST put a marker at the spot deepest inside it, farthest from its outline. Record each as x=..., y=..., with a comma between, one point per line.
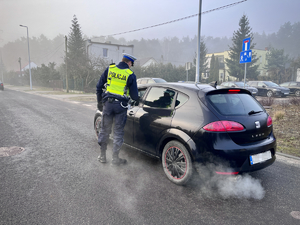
x=263, y=86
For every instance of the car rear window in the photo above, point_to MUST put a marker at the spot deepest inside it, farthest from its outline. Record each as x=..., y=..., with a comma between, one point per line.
x=234, y=104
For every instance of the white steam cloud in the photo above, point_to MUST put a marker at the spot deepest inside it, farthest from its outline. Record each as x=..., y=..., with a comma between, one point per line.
x=240, y=186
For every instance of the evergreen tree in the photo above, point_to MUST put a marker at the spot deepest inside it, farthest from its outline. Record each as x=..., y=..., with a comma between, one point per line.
x=211, y=68
x=216, y=70
x=203, y=62
x=277, y=62
x=233, y=62
x=76, y=55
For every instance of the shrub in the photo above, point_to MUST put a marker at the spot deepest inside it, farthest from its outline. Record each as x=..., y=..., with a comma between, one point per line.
x=279, y=115
x=284, y=104
x=267, y=101
x=295, y=101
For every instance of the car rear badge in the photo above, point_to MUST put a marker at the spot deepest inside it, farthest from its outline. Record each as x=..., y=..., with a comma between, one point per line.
x=257, y=124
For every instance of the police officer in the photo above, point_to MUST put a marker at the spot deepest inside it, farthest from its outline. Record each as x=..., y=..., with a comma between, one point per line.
x=114, y=87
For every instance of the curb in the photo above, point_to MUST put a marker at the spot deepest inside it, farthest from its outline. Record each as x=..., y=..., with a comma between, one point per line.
x=287, y=155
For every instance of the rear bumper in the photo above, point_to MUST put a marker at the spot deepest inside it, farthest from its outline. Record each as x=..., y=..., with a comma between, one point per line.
x=231, y=158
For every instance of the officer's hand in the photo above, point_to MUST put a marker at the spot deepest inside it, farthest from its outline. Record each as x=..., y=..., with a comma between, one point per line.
x=100, y=106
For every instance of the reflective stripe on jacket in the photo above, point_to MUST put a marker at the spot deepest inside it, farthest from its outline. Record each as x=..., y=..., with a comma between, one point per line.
x=117, y=80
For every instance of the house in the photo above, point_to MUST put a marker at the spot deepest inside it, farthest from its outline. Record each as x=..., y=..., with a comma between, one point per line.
x=223, y=69
x=145, y=62
x=113, y=53
x=32, y=65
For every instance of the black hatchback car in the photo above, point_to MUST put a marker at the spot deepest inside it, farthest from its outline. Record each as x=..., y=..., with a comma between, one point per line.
x=293, y=86
x=184, y=124
x=269, y=89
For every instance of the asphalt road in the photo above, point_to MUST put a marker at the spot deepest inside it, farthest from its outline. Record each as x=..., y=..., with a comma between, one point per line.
x=58, y=180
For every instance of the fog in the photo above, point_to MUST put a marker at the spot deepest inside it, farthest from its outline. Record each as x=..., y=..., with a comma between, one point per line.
x=103, y=18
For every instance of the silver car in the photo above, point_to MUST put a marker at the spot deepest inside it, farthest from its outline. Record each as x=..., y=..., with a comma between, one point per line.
x=240, y=84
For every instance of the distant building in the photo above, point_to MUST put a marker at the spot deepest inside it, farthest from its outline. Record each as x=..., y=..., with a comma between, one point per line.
x=223, y=72
x=145, y=62
x=32, y=66
x=113, y=53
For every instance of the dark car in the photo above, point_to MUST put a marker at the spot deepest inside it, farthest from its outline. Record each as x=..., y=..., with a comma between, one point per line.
x=1, y=86
x=293, y=86
x=269, y=89
x=150, y=80
x=184, y=124
x=253, y=90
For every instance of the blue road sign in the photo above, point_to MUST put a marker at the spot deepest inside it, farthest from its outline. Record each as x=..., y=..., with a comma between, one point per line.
x=246, y=44
x=246, y=56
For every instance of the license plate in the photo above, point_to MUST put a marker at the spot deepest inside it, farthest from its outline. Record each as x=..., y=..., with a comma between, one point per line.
x=261, y=157
x=286, y=93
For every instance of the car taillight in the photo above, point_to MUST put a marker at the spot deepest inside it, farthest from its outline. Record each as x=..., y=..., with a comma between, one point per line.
x=269, y=121
x=223, y=125
x=233, y=91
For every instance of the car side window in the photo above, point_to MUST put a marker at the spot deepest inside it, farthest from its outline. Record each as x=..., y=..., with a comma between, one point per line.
x=144, y=81
x=285, y=84
x=253, y=83
x=260, y=84
x=141, y=92
x=230, y=84
x=150, y=81
x=181, y=99
x=160, y=98
x=293, y=84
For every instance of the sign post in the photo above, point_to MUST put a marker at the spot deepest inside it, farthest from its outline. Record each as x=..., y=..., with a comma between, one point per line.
x=246, y=55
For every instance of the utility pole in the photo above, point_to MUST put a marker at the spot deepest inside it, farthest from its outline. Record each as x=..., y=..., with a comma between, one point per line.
x=20, y=66
x=28, y=56
x=66, y=46
x=2, y=67
x=198, y=45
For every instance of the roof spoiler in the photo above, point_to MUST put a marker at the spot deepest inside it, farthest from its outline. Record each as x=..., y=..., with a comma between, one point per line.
x=213, y=84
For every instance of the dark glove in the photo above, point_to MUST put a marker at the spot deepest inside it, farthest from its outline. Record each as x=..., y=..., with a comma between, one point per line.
x=100, y=106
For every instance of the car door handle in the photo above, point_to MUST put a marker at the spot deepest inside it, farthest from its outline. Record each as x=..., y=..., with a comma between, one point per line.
x=131, y=113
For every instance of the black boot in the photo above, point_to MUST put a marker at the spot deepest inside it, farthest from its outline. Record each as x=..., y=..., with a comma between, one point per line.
x=117, y=161
x=102, y=156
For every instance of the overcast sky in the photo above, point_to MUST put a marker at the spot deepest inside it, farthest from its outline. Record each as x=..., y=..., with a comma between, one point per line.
x=107, y=17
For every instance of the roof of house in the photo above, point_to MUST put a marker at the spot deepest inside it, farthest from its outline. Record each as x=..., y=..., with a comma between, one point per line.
x=144, y=61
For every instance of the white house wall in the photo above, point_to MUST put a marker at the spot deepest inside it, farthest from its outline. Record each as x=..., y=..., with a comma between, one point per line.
x=114, y=53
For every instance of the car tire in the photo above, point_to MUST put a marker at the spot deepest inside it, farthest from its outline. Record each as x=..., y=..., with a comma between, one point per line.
x=177, y=162
x=97, y=123
x=269, y=94
x=297, y=93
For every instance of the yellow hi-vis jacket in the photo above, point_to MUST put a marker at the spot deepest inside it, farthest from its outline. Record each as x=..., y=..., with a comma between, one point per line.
x=117, y=80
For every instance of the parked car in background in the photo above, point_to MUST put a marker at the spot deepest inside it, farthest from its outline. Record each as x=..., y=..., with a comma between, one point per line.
x=150, y=80
x=184, y=124
x=293, y=86
x=1, y=86
x=240, y=84
x=269, y=88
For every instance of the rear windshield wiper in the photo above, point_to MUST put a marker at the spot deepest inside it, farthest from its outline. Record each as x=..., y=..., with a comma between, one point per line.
x=253, y=112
